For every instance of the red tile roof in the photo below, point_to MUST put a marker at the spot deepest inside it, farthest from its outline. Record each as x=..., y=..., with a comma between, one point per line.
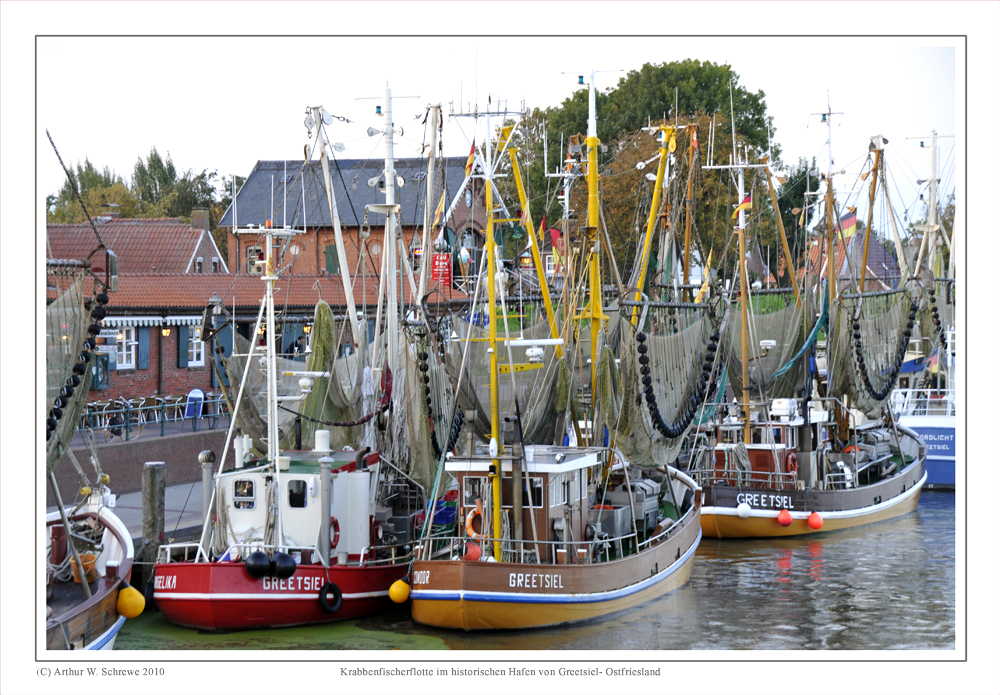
x=161, y=245
x=189, y=293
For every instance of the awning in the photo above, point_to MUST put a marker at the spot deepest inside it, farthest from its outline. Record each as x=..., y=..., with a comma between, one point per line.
x=183, y=320
x=112, y=321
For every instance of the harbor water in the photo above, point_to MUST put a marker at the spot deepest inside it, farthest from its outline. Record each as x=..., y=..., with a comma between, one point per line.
x=887, y=586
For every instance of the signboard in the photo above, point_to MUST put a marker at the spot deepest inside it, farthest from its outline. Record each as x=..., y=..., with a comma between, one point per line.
x=108, y=333
x=441, y=268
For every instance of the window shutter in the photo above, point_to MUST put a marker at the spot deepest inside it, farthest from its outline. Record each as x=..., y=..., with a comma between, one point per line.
x=182, y=346
x=332, y=261
x=142, y=348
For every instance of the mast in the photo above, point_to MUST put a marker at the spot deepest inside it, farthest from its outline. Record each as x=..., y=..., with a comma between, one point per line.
x=491, y=280
x=668, y=134
x=744, y=309
x=692, y=143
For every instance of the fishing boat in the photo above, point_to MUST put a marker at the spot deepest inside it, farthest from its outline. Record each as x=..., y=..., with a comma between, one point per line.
x=927, y=404
x=297, y=536
x=543, y=533
x=800, y=453
x=88, y=550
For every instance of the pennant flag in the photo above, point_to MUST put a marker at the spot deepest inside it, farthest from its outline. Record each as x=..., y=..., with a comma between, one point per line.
x=849, y=224
x=704, y=286
x=745, y=205
x=802, y=218
x=471, y=160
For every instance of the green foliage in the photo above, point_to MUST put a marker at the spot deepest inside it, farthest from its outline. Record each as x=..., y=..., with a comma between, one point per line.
x=153, y=179
x=94, y=186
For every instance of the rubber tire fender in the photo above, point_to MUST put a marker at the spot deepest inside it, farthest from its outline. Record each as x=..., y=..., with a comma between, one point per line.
x=338, y=598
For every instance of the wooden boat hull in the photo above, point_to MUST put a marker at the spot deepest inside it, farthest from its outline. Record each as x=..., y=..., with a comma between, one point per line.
x=222, y=596
x=839, y=509
x=512, y=596
x=78, y=623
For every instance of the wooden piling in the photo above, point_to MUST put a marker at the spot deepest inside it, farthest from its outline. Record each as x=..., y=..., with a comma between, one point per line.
x=154, y=479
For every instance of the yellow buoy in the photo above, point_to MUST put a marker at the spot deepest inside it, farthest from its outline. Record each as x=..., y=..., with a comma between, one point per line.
x=131, y=602
x=105, y=479
x=85, y=491
x=399, y=591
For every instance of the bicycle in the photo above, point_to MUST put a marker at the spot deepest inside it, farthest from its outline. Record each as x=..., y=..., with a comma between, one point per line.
x=115, y=425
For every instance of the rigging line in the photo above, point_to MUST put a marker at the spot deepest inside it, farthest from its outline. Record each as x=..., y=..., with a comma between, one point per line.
x=76, y=191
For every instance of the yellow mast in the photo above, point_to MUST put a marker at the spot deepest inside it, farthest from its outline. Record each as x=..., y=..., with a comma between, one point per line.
x=690, y=206
x=666, y=144
x=871, y=210
x=781, y=229
x=530, y=229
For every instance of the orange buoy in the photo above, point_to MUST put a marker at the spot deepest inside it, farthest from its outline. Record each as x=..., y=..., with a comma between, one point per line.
x=785, y=517
x=472, y=552
x=815, y=521
x=399, y=591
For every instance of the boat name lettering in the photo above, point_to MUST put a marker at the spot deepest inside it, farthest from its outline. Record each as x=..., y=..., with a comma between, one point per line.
x=535, y=581
x=299, y=583
x=422, y=577
x=757, y=499
x=165, y=581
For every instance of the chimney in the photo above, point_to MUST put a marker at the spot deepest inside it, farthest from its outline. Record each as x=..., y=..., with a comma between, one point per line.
x=199, y=218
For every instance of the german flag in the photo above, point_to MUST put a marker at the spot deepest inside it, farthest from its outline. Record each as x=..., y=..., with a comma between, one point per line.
x=849, y=224
x=745, y=205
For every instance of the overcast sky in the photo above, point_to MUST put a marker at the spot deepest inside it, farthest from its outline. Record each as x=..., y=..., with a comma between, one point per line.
x=223, y=103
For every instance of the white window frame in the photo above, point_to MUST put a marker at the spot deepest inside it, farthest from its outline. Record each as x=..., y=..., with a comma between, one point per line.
x=255, y=251
x=215, y=265
x=127, y=348
x=196, y=348
x=550, y=265
x=198, y=265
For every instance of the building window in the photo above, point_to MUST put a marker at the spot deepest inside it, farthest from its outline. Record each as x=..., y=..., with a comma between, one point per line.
x=196, y=348
x=550, y=265
x=197, y=265
x=332, y=260
x=255, y=260
x=126, y=347
x=215, y=265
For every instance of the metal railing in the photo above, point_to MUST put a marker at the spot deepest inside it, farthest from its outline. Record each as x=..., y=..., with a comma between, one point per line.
x=127, y=419
x=923, y=402
x=368, y=556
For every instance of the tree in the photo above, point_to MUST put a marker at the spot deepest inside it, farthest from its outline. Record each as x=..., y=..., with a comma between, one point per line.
x=154, y=179
x=63, y=206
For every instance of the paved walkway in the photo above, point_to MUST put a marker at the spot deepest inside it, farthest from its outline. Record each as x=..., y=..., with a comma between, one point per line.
x=182, y=511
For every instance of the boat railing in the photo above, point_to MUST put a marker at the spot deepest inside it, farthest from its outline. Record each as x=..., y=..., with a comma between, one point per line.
x=705, y=473
x=601, y=548
x=923, y=402
x=399, y=552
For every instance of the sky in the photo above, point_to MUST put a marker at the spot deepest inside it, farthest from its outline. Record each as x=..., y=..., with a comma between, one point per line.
x=223, y=103
x=894, y=69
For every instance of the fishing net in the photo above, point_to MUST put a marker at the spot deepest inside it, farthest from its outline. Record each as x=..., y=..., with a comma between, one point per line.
x=676, y=347
x=773, y=317
x=66, y=323
x=333, y=399
x=536, y=392
x=872, y=345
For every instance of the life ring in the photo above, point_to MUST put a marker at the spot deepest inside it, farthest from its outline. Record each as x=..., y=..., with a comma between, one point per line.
x=324, y=601
x=334, y=532
x=793, y=462
x=850, y=449
x=469, y=530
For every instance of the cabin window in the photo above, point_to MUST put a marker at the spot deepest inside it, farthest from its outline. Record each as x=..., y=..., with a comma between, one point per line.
x=474, y=487
x=564, y=489
x=776, y=434
x=296, y=493
x=243, y=497
x=534, y=484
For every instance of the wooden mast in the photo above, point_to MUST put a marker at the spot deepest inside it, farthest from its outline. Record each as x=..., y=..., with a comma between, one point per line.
x=781, y=229
x=668, y=134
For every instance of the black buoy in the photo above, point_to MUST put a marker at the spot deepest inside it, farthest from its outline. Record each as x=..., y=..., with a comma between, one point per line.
x=258, y=564
x=284, y=565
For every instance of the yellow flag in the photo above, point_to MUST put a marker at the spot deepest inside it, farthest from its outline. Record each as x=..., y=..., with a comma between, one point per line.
x=438, y=212
x=704, y=286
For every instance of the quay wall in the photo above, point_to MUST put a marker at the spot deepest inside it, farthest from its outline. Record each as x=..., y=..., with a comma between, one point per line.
x=123, y=462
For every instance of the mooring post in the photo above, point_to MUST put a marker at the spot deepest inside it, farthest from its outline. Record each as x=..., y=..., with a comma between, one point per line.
x=207, y=460
x=154, y=479
x=325, y=466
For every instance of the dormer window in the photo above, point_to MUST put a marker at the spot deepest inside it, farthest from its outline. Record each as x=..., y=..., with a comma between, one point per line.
x=215, y=265
x=197, y=265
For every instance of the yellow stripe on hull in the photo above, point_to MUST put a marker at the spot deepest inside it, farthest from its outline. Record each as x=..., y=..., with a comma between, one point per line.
x=730, y=525
x=467, y=614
